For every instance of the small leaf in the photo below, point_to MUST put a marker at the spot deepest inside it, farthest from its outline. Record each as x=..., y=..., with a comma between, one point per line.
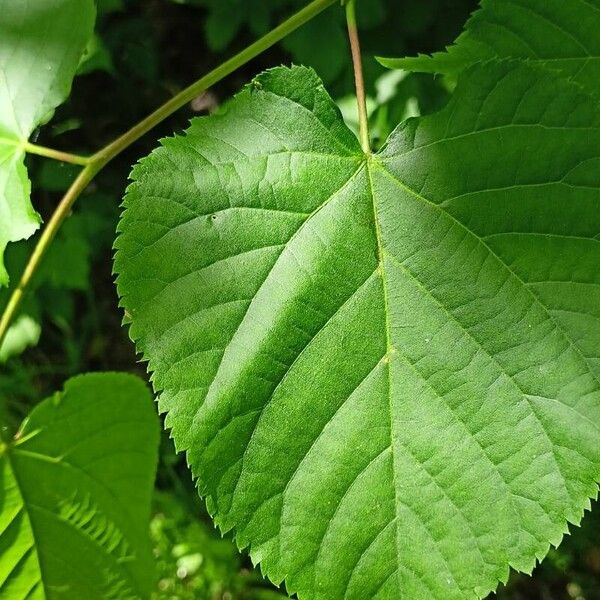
x=75, y=494
x=22, y=334
x=41, y=44
x=559, y=34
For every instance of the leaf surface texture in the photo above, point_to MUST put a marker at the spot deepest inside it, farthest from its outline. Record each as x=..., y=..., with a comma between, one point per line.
x=383, y=369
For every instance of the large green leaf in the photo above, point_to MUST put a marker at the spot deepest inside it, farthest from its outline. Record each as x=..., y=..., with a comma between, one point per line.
x=75, y=494
x=561, y=34
x=384, y=369
x=41, y=44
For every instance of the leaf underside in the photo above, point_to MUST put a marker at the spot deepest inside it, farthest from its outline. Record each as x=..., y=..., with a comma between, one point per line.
x=75, y=494
x=41, y=43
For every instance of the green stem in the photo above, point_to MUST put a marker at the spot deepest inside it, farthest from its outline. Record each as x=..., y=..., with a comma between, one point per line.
x=60, y=214
x=98, y=161
x=228, y=67
x=67, y=157
x=30, y=148
x=363, y=115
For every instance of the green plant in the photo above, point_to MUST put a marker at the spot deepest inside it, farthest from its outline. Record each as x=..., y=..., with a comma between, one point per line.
x=383, y=367
x=75, y=495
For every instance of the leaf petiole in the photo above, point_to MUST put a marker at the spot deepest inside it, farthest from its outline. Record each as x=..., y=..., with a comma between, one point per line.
x=67, y=157
x=30, y=148
x=363, y=117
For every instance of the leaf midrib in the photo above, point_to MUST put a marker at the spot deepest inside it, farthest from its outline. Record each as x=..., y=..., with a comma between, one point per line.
x=375, y=163
x=390, y=352
x=389, y=348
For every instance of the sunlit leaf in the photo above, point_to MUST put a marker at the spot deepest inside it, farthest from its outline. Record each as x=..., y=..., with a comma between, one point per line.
x=384, y=369
x=41, y=44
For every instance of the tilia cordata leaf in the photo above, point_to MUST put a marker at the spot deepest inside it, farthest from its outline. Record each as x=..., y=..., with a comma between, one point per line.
x=384, y=369
x=41, y=44
x=75, y=489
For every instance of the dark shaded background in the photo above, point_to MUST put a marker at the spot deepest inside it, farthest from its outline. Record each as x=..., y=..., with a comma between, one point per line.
x=146, y=51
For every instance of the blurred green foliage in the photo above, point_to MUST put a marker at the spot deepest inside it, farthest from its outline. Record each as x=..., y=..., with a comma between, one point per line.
x=194, y=562
x=143, y=52
x=322, y=43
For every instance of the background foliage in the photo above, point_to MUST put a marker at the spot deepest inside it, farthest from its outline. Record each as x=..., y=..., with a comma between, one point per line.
x=143, y=52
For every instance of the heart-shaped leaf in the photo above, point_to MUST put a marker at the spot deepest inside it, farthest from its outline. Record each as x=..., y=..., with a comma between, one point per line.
x=384, y=369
